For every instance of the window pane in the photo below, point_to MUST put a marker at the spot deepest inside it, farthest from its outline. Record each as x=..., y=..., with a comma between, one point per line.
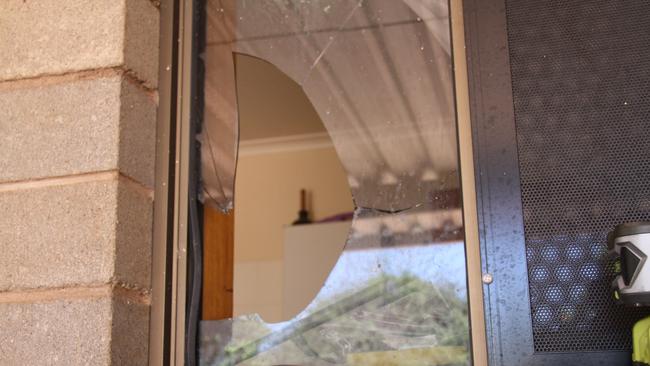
x=379, y=75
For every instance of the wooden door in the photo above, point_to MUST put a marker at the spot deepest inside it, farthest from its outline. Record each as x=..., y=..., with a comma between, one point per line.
x=218, y=258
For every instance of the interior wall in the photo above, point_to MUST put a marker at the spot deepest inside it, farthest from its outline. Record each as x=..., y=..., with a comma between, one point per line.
x=270, y=103
x=266, y=200
x=291, y=152
x=267, y=197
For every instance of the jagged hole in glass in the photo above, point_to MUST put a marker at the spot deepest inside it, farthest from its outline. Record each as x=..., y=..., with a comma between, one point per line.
x=379, y=74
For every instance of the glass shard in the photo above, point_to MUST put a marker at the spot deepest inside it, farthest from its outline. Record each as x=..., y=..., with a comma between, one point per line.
x=394, y=288
x=220, y=130
x=378, y=73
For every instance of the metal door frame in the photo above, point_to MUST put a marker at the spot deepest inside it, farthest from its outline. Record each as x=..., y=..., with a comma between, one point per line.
x=170, y=243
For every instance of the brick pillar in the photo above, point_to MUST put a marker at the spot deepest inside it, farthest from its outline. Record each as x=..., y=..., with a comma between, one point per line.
x=77, y=140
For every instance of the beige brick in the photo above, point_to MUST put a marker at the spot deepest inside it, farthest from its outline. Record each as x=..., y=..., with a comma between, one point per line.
x=64, y=332
x=92, y=331
x=141, y=42
x=93, y=124
x=137, y=134
x=59, y=36
x=59, y=129
x=133, y=236
x=130, y=333
x=60, y=235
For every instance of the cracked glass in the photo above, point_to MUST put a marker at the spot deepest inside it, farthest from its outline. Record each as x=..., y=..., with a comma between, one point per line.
x=379, y=75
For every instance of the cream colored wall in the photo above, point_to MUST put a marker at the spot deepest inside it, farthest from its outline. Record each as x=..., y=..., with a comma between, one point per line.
x=270, y=103
x=267, y=199
x=311, y=251
x=273, y=107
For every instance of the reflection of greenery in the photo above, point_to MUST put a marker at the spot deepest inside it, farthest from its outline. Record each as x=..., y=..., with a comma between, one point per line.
x=425, y=316
x=391, y=313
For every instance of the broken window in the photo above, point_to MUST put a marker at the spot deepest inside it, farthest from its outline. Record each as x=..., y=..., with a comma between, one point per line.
x=287, y=172
x=379, y=76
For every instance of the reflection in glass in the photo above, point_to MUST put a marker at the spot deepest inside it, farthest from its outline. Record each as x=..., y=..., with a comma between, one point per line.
x=395, y=288
x=378, y=73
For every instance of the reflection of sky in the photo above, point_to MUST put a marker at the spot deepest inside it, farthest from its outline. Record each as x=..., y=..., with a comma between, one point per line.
x=440, y=264
x=437, y=264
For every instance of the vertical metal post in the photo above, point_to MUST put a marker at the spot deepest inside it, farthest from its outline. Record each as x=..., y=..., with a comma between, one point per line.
x=468, y=184
x=169, y=262
x=163, y=227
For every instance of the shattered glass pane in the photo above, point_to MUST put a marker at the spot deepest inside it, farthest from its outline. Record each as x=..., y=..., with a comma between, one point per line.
x=379, y=75
x=220, y=131
x=398, y=290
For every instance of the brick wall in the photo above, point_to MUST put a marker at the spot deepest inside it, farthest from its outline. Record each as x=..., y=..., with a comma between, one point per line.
x=77, y=140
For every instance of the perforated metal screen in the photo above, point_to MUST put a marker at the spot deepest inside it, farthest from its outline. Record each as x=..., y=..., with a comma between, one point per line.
x=581, y=88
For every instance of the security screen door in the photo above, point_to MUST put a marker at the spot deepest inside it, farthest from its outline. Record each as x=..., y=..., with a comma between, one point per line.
x=379, y=74
x=560, y=117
